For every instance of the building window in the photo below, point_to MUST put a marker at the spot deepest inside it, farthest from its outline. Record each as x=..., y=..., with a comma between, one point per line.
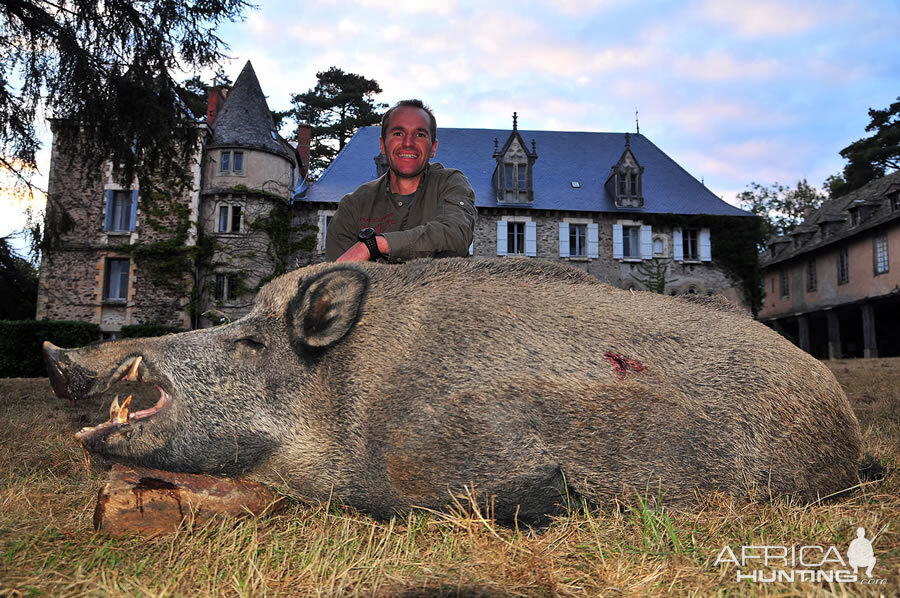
x=631, y=241
x=843, y=266
x=881, y=255
x=634, y=184
x=515, y=238
x=230, y=216
x=689, y=244
x=578, y=240
x=226, y=287
x=854, y=217
x=115, y=283
x=895, y=201
x=773, y=285
x=516, y=177
x=231, y=161
x=785, y=284
x=324, y=220
x=120, y=210
x=622, y=184
x=811, y=277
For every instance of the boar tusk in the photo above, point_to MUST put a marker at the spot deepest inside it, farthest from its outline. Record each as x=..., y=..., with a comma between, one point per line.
x=122, y=415
x=133, y=375
x=114, y=408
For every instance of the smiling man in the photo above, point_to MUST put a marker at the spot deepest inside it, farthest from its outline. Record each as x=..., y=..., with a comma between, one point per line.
x=416, y=209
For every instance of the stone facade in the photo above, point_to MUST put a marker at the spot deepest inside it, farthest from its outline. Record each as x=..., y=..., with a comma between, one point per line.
x=94, y=273
x=830, y=285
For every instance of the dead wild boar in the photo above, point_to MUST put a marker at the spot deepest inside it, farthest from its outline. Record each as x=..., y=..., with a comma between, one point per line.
x=394, y=386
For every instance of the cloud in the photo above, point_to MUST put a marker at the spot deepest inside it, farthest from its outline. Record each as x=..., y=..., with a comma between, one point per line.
x=718, y=66
x=763, y=18
x=392, y=7
x=712, y=115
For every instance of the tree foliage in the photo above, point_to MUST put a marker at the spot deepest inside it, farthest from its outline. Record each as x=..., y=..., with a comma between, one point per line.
x=871, y=157
x=18, y=285
x=101, y=70
x=335, y=108
x=780, y=207
x=654, y=275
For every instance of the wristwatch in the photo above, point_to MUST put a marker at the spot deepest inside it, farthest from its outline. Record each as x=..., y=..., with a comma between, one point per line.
x=367, y=236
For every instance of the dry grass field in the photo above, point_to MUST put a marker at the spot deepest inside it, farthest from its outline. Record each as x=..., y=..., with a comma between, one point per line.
x=48, y=546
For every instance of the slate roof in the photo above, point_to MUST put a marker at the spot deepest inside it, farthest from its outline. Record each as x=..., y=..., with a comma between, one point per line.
x=873, y=201
x=245, y=119
x=563, y=157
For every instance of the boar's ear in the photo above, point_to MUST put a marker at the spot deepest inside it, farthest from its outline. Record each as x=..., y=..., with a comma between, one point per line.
x=326, y=307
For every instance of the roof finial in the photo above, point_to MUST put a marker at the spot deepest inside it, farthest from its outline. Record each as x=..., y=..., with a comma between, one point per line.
x=515, y=121
x=533, y=147
x=637, y=123
x=627, y=141
x=495, y=145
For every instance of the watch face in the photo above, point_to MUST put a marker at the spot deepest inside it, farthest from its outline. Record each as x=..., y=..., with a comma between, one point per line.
x=366, y=233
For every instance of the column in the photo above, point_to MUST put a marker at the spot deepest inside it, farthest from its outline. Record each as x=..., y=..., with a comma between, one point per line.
x=870, y=342
x=803, y=332
x=834, y=335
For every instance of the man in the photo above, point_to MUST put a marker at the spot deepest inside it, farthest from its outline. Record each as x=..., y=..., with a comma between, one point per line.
x=416, y=209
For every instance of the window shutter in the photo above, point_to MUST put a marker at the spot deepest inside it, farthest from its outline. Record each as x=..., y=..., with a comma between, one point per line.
x=705, y=246
x=531, y=239
x=618, y=244
x=563, y=239
x=593, y=239
x=646, y=242
x=133, y=221
x=677, y=245
x=501, y=237
x=107, y=225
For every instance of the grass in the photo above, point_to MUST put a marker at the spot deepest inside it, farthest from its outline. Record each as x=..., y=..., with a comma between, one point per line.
x=48, y=546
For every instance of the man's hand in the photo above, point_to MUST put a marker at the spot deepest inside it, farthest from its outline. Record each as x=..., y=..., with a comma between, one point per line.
x=358, y=252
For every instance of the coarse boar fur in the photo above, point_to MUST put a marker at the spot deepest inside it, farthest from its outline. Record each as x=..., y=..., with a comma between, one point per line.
x=395, y=386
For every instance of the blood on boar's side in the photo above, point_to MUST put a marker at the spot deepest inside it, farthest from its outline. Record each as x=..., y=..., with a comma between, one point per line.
x=392, y=386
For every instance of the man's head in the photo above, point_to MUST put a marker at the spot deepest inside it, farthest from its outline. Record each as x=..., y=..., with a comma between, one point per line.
x=385, y=120
x=408, y=132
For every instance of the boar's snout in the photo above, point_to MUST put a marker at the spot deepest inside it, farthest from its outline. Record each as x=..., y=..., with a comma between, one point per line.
x=58, y=364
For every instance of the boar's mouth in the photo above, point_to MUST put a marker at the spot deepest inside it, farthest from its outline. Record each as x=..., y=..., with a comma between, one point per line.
x=120, y=417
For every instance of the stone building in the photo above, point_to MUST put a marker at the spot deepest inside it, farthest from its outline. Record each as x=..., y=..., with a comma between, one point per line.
x=124, y=261
x=611, y=203
x=829, y=282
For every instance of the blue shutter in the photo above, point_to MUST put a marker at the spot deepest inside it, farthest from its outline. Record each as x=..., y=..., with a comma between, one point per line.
x=107, y=225
x=134, y=199
x=563, y=239
x=501, y=237
x=646, y=242
x=531, y=239
x=705, y=246
x=677, y=245
x=618, y=244
x=593, y=239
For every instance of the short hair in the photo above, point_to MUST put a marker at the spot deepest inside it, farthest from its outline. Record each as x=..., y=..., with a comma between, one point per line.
x=411, y=104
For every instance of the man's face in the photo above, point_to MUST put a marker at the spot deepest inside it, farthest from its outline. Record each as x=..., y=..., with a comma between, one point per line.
x=408, y=145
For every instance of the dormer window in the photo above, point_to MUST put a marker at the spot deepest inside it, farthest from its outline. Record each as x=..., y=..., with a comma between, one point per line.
x=854, y=217
x=624, y=182
x=895, y=201
x=513, y=175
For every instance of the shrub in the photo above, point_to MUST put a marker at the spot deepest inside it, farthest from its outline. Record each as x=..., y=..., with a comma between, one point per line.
x=144, y=330
x=21, y=340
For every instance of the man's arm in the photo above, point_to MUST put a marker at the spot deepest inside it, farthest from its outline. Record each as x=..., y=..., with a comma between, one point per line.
x=342, y=231
x=450, y=231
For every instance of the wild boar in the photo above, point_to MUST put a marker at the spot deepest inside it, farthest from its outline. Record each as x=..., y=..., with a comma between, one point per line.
x=392, y=387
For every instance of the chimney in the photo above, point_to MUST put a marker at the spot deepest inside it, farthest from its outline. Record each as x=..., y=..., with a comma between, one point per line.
x=215, y=97
x=304, y=135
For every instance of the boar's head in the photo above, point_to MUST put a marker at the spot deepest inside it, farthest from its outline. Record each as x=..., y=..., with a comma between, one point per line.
x=226, y=394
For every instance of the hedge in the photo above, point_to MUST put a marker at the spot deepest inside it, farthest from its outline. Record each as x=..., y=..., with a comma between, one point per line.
x=21, y=340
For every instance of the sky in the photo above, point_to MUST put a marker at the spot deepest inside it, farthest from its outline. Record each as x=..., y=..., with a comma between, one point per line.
x=734, y=91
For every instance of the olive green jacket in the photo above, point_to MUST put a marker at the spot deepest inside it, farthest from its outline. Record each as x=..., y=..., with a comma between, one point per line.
x=440, y=221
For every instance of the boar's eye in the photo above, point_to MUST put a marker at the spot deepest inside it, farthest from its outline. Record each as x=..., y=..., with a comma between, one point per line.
x=251, y=343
